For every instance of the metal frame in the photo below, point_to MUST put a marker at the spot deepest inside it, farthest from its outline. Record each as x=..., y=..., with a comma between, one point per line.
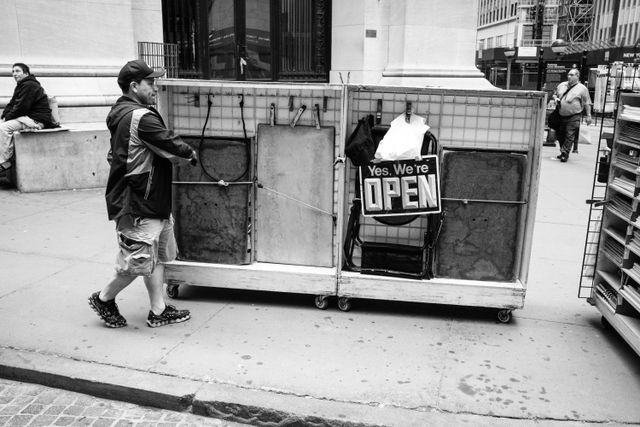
x=494, y=120
x=462, y=119
x=616, y=272
x=184, y=103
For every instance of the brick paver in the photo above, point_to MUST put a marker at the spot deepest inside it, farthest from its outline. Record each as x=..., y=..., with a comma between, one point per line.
x=23, y=404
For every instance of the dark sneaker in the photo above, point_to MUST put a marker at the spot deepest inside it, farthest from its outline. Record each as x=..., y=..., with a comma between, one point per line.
x=169, y=315
x=564, y=159
x=575, y=150
x=107, y=311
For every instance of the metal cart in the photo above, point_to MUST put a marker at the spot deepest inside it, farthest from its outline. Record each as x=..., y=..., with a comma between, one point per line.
x=293, y=235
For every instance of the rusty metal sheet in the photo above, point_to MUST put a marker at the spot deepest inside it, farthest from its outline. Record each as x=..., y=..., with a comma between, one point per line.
x=211, y=222
x=479, y=237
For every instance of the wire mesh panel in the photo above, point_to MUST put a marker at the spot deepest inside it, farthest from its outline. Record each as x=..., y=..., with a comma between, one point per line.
x=462, y=119
x=187, y=105
x=470, y=120
x=214, y=109
x=591, y=246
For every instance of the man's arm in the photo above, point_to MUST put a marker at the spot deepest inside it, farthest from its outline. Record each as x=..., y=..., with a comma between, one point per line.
x=586, y=102
x=7, y=109
x=162, y=141
x=23, y=101
x=556, y=92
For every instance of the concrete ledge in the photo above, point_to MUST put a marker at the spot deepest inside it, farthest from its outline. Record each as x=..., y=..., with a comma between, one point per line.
x=62, y=160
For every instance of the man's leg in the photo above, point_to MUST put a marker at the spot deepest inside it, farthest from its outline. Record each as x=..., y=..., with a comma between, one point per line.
x=571, y=134
x=154, y=285
x=104, y=302
x=561, y=135
x=7, y=129
x=163, y=314
x=117, y=284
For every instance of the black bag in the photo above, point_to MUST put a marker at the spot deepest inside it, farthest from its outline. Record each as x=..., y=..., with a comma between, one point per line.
x=603, y=168
x=360, y=146
x=553, y=121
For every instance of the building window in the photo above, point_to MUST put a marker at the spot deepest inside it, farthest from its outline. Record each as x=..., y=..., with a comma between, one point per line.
x=279, y=40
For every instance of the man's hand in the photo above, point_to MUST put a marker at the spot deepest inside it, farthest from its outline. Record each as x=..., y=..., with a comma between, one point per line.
x=194, y=158
x=588, y=120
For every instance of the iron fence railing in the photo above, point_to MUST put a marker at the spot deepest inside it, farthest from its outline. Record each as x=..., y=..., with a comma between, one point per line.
x=160, y=55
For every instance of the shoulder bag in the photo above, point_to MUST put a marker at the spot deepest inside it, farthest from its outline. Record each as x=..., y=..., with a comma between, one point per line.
x=554, y=120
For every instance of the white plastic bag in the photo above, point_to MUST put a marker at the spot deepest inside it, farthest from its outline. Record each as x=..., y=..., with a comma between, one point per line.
x=403, y=141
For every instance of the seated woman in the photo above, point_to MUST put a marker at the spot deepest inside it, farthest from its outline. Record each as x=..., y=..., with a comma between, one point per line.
x=28, y=109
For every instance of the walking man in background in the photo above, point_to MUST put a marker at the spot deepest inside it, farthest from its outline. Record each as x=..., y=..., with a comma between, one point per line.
x=574, y=99
x=138, y=196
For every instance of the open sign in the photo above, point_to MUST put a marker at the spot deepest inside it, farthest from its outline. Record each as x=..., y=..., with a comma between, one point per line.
x=401, y=187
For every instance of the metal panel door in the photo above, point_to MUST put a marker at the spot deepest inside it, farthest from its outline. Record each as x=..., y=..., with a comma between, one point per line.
x=294, y=195
x=482, y=195
x=211, y=221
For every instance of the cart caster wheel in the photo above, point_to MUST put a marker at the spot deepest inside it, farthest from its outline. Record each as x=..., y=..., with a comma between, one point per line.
x=322, y=302
x=504, y=316
x=344, y=304
x=173, y=291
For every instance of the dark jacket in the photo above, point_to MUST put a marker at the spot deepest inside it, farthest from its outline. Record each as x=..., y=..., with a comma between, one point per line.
x=29, y=99
x=141, y=171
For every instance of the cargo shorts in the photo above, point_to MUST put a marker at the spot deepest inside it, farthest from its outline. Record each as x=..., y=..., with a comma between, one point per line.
x=142, y=243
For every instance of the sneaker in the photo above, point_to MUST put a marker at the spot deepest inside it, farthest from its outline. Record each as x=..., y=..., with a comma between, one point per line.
x=107, y=311
x=169, y=315
x=575, y=151
x=559, y=156
x=564, y=159
x=4, y=168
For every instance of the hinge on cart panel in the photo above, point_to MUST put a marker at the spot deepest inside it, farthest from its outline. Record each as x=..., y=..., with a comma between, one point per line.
x=596, y=202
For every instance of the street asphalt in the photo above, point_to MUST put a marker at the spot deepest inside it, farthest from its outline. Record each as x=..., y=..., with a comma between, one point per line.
x=273, y=359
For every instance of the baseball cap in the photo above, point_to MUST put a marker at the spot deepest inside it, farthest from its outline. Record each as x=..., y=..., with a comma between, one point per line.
x=136, y=70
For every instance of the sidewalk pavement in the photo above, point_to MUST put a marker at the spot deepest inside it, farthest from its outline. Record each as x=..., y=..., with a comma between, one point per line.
x=272, y=359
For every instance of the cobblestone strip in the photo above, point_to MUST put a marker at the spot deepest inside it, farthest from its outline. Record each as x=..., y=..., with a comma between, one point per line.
x=23, y=404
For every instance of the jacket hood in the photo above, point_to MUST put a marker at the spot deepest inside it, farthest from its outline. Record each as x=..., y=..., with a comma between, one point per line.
x=123, y=106
x=29, y=78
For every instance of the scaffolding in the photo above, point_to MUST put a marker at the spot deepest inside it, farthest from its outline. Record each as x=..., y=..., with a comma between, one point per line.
x=575, y=20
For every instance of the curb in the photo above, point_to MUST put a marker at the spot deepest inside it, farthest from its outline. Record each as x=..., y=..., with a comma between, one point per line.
x=222, y=401
x=230, y=402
